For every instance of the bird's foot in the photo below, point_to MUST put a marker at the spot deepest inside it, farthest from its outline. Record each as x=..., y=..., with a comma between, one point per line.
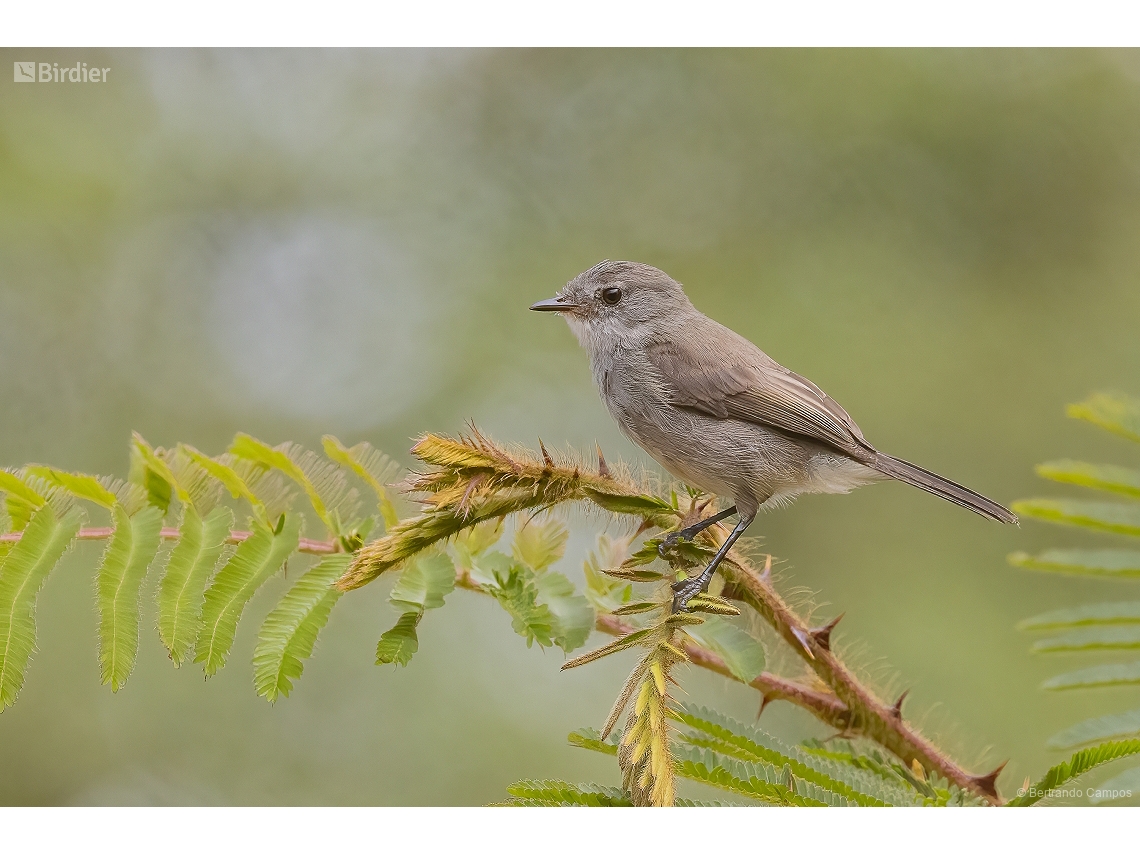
x=686, y=589
x=671, y=540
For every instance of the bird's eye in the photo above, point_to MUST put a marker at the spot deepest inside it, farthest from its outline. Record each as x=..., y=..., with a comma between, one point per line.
x=611, y=296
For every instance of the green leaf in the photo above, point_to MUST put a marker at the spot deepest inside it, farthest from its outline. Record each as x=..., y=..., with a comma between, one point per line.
x=290, y=631
x=572, y=613
x=1099, y=516
x=1118, y=674
x=1112, y=563
x=128, y=556
x=81, y=486
x=538, y=545
x=400, y=643
x=639, y=608
x=22, y=574
x=742, y=653
x=229, y=479
x=562, y=794
x=256, y=559
x=1097, y=729
x=732, y=738
x=602, y=590
x=423, y=583
x=1086, y=615
x=323, y=482
x=192, y=562
x=1111, y=411
x=1115, y=479
x=517, y=593
x=649, y=507
x=1122, y=786
x=1074, y=767
x=21, y=500
x=372, y=467
x=157, y=478
x=1093, y=638
x=744, y=779
x=588, y=738
x=628, y=640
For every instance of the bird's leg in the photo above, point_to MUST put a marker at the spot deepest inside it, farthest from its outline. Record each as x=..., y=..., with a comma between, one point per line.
x=686, y=589
x=692, y=531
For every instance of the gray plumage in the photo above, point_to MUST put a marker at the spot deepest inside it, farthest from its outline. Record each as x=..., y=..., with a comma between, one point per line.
x=716, y=411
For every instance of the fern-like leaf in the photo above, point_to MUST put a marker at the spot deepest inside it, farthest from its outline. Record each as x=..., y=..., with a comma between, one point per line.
x=1090, y=614
x=1074, y=767
x=1110, y=563
x=230, y=479
x=1116, y=674
x=20, y=500
x=732, y=738
x=424, y=583
x=290, y=631
x=256, y=559
x=22, y=574
x=398, y=645
x=85, y=487
x=1111, y=411
x=1093, y=638
x=324, y=483
x=192, y=562
x=372, y=467
x=1098, y=729
x=538, y=545
x=121, y=573
x=1122, y=786
x=1099, y=516
x=1114, y=479
x=562, y=794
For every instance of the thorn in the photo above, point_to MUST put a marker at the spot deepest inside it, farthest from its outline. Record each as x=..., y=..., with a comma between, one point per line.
x=988, y=783
x=822, y=635
x=574, y=477
x=803, y=637
x=603, y=470
x=546, y=458
x=765, y=699
x=766, y=574
x=896, y=710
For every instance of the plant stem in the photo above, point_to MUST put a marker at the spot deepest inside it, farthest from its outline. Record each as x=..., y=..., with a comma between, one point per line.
x=867, y=714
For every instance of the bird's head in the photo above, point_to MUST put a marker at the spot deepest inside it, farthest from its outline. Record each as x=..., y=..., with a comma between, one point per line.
x=618, y=301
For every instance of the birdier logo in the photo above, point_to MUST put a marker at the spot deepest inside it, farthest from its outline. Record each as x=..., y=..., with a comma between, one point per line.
x=50, y=72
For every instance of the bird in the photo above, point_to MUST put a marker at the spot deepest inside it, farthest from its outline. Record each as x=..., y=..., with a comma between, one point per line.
x=717, y=412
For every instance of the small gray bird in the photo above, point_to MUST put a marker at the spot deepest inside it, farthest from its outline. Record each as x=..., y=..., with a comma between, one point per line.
x=716, y=411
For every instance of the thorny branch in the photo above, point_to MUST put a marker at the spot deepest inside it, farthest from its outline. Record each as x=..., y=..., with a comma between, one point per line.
x=476, y=479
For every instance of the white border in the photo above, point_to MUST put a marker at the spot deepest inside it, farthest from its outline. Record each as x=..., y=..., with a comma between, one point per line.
x=504, y=23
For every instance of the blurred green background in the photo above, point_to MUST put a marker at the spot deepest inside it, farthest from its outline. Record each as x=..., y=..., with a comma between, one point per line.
x=292, y=243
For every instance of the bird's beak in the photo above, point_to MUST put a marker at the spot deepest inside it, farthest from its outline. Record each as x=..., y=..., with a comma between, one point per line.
x=554, y=304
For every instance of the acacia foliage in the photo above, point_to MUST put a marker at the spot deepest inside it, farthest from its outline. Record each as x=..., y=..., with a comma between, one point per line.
x=1108, y=628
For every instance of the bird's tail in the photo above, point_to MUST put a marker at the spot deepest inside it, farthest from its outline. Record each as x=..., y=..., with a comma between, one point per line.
x=939, y=486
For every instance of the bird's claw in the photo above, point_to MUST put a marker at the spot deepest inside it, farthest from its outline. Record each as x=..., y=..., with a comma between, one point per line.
x=685, y=590
x=671, y=540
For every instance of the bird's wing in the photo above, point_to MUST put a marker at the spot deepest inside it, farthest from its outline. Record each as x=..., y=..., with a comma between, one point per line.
x=755, y=388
